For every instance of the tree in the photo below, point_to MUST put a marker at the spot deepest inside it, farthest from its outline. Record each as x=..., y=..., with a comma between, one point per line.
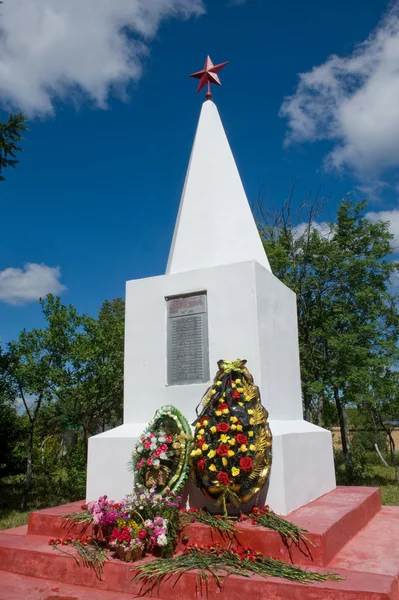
x=10, y=135
x=347, y=312
x=33, y=367
x=91, y=395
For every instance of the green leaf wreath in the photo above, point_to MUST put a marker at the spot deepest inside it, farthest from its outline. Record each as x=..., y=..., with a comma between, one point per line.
x=161, y=456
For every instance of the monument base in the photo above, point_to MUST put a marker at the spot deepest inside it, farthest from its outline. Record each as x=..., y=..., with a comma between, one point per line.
x=302, y=469
x=352, y=534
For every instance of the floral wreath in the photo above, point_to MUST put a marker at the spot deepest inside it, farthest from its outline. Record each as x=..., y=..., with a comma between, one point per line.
x=231, y=452
x=161, y=456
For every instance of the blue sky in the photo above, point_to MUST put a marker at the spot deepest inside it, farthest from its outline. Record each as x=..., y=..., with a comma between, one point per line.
x=112, y=115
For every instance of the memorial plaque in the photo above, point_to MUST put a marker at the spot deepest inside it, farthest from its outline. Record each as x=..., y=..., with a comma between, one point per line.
x=187, y=339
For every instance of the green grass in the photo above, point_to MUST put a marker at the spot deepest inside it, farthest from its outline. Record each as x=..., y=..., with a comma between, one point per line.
x=13, y=518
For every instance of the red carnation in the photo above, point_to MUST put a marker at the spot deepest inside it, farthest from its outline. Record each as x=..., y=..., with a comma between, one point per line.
x=222, y=427
x=246, y=463
x=223, y=478
x=236, y=395
x=223, y=406
x=201, y=464
x=241, y=439
x=142, y=534
x=223, y=449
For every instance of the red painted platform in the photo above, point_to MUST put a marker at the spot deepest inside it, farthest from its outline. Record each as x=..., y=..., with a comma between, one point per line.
x=353, y=536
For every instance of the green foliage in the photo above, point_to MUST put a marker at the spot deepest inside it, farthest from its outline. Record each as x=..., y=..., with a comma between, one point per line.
x=347, y=312
x=10, y=135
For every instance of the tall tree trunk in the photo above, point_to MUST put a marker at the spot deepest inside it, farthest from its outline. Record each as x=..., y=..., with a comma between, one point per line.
x=29, y=469
x=86, y=443
x=393, y=455
x=343, y=426
x=306, y=405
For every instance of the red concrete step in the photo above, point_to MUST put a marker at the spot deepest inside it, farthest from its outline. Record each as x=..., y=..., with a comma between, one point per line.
x=32, y=557
x=21, y=587
x=375, y=549
x=331, y=520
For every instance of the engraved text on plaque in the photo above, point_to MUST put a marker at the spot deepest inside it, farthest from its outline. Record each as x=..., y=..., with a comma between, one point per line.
x=187, y=339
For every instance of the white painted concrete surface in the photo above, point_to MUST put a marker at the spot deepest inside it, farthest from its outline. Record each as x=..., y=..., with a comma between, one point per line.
x=251, y=315
x=216, y=248
x=215, y=225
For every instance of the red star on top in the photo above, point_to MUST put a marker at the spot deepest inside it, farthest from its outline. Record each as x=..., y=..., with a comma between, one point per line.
x=208, y=75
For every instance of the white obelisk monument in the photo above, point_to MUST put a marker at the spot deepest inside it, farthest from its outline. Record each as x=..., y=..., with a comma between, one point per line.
x=217, y=300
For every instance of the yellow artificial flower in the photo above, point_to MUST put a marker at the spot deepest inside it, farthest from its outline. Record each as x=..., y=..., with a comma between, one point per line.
x=212, y=468
x=199, y=437
x=218, y=413
x=193, y=453
x=198, y=425
x=224, y=395
x=241, y=403
x=213, y=429
x=225, y=411
x=198, y=451
x=225, y=461
x=238, y=380
x=252, y=421
x=233, y=385
x=250, y=434
x=232, y=441
x=233, y=427
x=252, y=447
x=201, y=431
x=230, y=453
x=240, y=390
x=205, y=447
x=211, y=453
x=247, y=398
x=239, y=427
x=243, y=448
x=233, y=419
x=224, y=438
x=235, y=471
x=212, y=392
x=218, y=383
x=205, y=423
x=250, y=411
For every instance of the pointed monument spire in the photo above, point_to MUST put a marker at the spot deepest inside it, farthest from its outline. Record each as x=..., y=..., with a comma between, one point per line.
x=215, y=225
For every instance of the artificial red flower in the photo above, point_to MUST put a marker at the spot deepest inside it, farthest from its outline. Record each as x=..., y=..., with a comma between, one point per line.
x=223, y=478
x=149, y=461
x=223, y=449
x=201, y=442
x=201, y=464
x=223, y=406
x=222, y=427
x=202, y=419
x=246, y=463
x=117, y=506
x=236, y=395
x=241, y=439
x=158, y=452
x=163, y=448
x=83, y=507
x=142, y=534
x=192, y=510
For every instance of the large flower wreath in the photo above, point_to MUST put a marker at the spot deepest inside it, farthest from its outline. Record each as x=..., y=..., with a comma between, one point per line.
x=231, y=451
x=160, y=459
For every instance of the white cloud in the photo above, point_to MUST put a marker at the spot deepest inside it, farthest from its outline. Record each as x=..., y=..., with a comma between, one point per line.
x=323, y=228
x=354, y=102
x=57, y=48
x=387, y=215
x=18, y=286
